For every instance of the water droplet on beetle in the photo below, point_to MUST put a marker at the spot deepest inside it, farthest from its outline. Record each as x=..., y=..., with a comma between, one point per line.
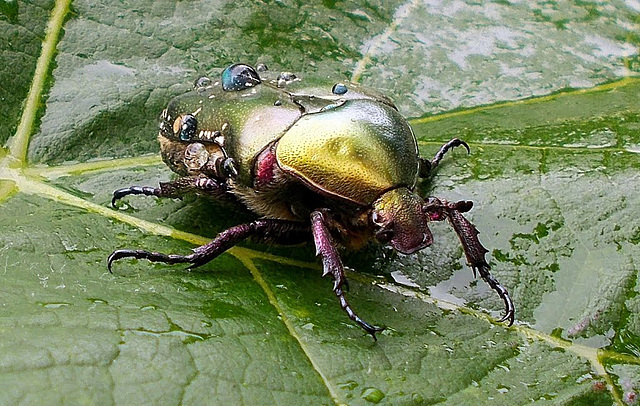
x=202, y=83
x=339, y=89
x=239, y=77
x=285, y=78
x=333, y=106
x=195, y=156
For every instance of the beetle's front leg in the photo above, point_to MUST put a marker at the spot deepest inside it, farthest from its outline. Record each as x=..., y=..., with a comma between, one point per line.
x=427, y=166
x=332, y=265
x=475, y=252
x=174, y=189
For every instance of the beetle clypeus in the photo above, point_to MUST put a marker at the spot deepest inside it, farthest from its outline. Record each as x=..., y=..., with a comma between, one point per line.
x=336, y=163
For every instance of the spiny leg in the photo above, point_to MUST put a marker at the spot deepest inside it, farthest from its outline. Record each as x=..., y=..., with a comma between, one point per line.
x=427, y=166
x=282, y=231
x=173, y=189
x=332, y=265
x=473, y=249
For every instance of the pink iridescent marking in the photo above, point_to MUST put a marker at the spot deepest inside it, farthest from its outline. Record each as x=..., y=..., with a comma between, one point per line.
x=264, y=167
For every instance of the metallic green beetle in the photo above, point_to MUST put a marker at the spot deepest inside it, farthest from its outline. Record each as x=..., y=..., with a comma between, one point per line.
x=336, y=163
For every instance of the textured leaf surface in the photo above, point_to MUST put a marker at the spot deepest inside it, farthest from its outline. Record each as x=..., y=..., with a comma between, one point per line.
x=554, y=173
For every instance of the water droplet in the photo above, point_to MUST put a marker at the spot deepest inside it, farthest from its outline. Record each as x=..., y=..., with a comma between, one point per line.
x=333, y=105
x=503, y=389
x=403, y=279
x=373, y=395
x=348, y=385
x=201, y=83
x=286, y=78
x=54, y=305
x=339, y=88
x=195, y=156
x=277, y=103
x=69, y=246
x=261, y=67
x=239, y=77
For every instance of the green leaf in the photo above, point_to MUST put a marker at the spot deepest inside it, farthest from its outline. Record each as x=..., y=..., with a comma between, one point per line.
x=553, y=173
x=21, y=31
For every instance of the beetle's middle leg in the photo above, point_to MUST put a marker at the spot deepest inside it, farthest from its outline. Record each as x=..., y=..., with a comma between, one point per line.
x=427, y=166
x=174, y=189
x=332, y=265
x=280, y=231
x=437, y=210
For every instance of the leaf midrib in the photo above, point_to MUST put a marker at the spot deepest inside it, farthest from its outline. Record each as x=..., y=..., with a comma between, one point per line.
x=20, y=142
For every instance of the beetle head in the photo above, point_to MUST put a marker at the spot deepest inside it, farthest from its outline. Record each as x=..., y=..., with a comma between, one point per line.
x=400, y=221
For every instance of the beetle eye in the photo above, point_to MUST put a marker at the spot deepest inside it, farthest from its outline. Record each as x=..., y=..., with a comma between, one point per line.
x=384, y=236
x=239, y=77
x=339, y=88
x=185, y=127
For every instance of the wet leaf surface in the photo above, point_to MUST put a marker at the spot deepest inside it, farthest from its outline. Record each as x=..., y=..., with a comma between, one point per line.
x=554, y=174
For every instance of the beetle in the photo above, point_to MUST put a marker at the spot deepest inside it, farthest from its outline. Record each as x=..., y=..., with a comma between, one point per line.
x=337, y=163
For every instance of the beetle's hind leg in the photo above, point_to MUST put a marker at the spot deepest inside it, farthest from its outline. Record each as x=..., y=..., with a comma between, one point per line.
x=174, y=189
x=427, y=166
x=332, y=265
x=438, y=210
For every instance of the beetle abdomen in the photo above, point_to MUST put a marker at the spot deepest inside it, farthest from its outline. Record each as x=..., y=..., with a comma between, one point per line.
x=355, y=151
